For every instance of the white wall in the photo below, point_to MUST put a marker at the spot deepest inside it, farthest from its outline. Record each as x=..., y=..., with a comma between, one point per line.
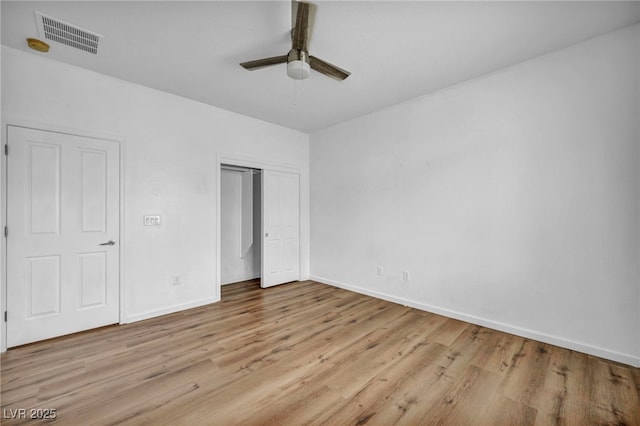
x=236, y=266
x=169, y=152
x=512, y=200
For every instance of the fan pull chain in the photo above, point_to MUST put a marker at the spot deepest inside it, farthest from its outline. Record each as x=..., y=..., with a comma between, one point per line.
x=297, y=84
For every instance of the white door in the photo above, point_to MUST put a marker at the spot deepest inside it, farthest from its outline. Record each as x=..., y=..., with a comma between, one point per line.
x=63, y=228
x=280, y=227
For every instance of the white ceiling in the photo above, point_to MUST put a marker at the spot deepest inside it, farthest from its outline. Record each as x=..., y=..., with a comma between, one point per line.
x=395, y=50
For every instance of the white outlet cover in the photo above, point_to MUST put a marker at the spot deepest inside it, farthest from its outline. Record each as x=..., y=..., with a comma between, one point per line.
x=151, y=220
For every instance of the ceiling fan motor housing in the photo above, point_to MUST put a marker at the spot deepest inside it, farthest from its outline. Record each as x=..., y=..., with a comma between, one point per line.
x=298, y=66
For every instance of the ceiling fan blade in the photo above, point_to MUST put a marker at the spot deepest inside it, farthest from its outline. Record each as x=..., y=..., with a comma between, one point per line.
x=301, y=29
x=261, y=63
x=328, y=69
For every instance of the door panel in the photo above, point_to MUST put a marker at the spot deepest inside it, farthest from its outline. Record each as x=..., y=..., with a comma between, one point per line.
x=281, y=226
x=43, y=283
x=42, y=168
x=94, y=197
x=62, y=204
x=93, y=279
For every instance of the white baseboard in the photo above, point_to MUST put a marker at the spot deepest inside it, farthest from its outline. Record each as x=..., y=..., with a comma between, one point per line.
x=169, y=310
x=518, y=331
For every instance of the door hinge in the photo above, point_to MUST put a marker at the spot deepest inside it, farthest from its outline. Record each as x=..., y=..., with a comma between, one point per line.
x=6, y=149
x=5, y=316
x=6, y=231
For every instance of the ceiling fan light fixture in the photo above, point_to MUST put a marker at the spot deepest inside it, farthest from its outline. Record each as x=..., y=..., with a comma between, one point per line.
x=298, y=67
x=298, y=70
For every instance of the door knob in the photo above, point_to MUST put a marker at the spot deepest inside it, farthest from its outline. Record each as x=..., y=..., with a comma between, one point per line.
x=266, y=234
x=109, y=243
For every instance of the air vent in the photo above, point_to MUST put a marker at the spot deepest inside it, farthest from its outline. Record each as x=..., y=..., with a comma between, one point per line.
x=62, y=32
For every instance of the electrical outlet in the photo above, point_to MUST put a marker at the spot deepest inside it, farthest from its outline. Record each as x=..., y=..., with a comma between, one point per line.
x=176, y=280
x=405, y=275
x=380, y=270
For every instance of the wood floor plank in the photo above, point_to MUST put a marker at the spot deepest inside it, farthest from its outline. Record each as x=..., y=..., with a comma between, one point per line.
x=386, y=397
x=308, y=353
x=564, y=399
x=613, y=400
x=504, y=411
x=526, y=373
x=464, y=403
x=497, y=354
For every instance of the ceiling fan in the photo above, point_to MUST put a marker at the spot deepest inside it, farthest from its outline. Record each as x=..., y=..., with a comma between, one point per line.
x=299, y=62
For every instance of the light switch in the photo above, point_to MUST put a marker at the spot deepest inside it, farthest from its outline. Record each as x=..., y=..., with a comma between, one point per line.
x=151, y=220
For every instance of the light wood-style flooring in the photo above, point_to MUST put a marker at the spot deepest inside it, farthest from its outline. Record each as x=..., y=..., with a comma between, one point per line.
x=308, y=353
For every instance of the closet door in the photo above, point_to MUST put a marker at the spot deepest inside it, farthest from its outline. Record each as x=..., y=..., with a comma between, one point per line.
x=281, y=227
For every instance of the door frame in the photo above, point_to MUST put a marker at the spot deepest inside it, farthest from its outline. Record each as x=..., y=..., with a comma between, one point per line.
x=256, y=163
x=46, y=127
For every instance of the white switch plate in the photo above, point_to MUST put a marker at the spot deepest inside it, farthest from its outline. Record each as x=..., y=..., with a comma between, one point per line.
x=151, y=220
x=405, y=275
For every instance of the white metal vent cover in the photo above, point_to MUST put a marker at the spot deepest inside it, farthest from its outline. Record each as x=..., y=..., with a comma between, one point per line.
x=63, y=32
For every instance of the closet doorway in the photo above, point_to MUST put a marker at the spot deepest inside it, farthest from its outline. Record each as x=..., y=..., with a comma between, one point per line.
x=240, y=224
x=259, y=233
